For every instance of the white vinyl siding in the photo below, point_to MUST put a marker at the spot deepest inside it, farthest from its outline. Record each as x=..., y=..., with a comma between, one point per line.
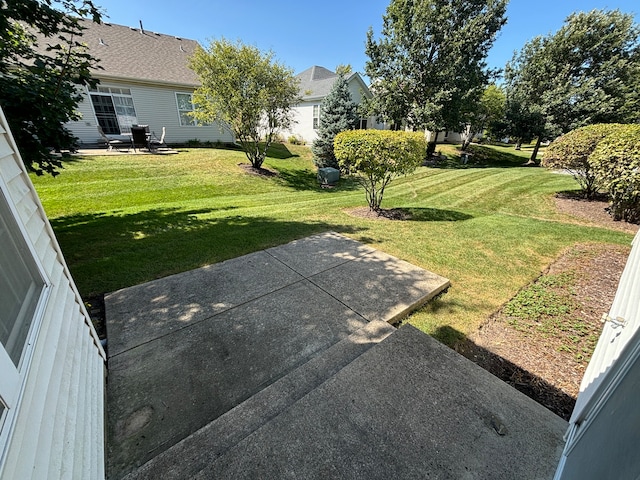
x=155, y=105
x=22, y=294
x=58, y=429
x=603, y=429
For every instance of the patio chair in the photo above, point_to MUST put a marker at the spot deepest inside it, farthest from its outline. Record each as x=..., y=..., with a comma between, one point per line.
x=139, y=136
x=155, y=143
x=111, y=143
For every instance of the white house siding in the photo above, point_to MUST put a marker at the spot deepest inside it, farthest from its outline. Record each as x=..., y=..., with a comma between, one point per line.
x=155, y=106
x=303, y=122
x=58, y=428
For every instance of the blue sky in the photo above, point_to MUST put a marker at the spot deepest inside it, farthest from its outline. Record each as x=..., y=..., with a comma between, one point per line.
x=327, y=32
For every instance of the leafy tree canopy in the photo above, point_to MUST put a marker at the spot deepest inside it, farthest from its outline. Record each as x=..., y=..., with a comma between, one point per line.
x=428, y=68
x=587, y=72
x=247, y=91
x=42, y=62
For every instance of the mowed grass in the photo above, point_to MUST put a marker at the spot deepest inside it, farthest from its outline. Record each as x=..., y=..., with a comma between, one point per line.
x=124, y=220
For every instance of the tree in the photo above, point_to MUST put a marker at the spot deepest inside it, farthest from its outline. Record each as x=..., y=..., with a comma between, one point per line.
x=245, y=90
x=585, y=73
x=428, y=68
x=338, y=113
x=39, y=84
x=377, y=157
x=488, y=114
x=572, y=152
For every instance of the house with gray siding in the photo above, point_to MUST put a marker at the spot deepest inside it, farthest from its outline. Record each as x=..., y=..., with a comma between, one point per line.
x=144, y=79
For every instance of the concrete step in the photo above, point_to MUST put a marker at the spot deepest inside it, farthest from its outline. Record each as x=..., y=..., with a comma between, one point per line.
x=202, y=448
x=407, y=408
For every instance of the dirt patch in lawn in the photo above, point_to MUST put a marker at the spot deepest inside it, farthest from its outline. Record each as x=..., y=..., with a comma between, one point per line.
x=542, y=340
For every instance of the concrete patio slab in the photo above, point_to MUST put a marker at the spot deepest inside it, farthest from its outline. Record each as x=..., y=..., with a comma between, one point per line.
x=199, y=450
x=162, y=391
x=407, y=408
x=381, y=287
x=139, y=314
x=311, y=255
x=185, y=349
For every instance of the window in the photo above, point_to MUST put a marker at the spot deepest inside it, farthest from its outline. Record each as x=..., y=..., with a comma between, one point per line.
x=185, y=106
x=362, y=124
x=22, y=294
x=114, y=109
x=316, y=117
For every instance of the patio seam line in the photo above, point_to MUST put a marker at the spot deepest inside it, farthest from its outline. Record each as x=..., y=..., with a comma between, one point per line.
x=302, y=279
x=323, y=290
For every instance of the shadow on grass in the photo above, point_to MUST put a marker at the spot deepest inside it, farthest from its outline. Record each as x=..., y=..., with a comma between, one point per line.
x=306, y=180
x=522, y=380
x=280, y=151
x=420, y=214
x=483, y=157
x=106, y=252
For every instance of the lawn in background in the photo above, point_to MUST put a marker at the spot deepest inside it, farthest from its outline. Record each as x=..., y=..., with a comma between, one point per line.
x=490, y=227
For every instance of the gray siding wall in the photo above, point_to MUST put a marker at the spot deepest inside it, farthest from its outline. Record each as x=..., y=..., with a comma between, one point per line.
x=155, y=106
x=58, y=428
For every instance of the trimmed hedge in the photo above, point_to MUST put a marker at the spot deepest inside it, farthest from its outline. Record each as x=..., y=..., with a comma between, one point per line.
x=378, y=156
x=616, y=162
x=571, y=152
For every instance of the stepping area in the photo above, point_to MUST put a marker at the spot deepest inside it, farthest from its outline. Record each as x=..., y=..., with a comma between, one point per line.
x=283, y=364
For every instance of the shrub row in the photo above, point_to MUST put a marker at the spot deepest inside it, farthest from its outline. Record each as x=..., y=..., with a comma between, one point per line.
x=603, y=157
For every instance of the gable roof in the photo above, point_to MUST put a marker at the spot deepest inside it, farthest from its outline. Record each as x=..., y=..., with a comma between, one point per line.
x=316, y=82
x=128, y=53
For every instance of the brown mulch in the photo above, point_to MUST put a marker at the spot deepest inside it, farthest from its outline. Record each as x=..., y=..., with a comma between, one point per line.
x=262, y=171
x=382, y=214
x=549, y=366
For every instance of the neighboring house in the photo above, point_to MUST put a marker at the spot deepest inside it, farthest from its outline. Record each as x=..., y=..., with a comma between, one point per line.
x=144, y=79
x=52, y=366
x=444, y=137
x=315, y=84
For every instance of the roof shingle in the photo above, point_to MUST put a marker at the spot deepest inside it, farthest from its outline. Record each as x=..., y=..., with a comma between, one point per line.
x=141, y=55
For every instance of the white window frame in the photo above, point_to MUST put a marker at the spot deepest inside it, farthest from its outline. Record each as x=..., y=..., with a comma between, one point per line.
x=124, y=121
x=12, y=378
x=193, y=121
x=316, y=116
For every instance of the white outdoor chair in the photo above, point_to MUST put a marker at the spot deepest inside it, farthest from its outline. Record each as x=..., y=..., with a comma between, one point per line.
x=155, y=143
x=111, y=143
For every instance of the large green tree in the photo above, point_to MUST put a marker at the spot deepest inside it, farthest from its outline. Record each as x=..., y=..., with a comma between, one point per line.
x=246, y=90
x=338, y=113
x=42, y=63
x=488, y=115
x=587, y=72
x=428, y=67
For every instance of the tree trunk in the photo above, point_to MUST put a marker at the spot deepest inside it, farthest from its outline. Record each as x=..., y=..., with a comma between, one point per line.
x=519, y=144
x=534, y=154
x=533, y=160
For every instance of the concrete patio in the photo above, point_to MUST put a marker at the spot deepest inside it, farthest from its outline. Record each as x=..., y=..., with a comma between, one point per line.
x=283, y=364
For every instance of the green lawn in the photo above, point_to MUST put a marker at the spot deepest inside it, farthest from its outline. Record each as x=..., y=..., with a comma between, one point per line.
x=123, y=220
